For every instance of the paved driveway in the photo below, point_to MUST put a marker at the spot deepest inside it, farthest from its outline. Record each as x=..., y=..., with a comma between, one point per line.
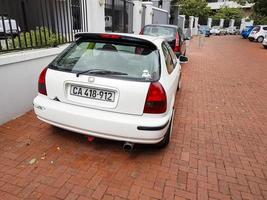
x=218, y=148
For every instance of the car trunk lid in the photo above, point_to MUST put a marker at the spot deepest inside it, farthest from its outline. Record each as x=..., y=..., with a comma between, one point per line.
x=120, y=94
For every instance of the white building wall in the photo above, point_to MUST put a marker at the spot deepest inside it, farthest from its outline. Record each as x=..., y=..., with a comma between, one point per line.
x=19, y=73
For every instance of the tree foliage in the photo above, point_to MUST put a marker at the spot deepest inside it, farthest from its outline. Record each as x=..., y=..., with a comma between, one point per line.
x=229, y=13
x=197, y=8
x=259, y=10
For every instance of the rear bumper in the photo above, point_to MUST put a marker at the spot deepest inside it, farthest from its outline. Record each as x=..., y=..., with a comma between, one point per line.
x=147, y=129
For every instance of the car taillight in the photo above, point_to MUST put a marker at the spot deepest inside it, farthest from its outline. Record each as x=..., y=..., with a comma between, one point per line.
x=141, y=32
x=177, y=46
x=156, y=100
x=110, y=36
x=41, y=82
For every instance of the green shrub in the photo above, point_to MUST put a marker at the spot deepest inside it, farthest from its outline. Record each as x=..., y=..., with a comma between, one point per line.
x=40, y=37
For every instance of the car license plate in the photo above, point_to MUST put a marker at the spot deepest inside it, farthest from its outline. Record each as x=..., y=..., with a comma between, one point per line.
x=92, y=93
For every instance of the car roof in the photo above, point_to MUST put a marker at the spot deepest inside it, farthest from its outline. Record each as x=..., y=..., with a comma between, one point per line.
x=163, y=25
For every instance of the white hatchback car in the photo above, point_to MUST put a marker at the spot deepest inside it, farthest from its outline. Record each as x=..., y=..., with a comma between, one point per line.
x=264, y=43
x=258, y=33
x=215, y=30
x=114, y=86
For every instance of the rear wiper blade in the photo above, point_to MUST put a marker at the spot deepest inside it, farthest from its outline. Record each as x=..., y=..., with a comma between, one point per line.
x=101, y=72
x=87, y=71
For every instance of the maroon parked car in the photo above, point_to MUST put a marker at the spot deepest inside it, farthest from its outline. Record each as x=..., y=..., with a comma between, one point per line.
x=173, y=34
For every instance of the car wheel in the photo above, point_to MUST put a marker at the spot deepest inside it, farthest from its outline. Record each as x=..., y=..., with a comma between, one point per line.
x=265, y=47
x=260, y=39
x=166, y=140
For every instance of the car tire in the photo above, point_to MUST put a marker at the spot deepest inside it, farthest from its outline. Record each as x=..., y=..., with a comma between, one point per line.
x=265, y=47
x=260, y=39
x=166, y=140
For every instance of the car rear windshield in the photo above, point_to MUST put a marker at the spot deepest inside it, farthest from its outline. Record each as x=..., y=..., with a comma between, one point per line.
x=160, y=31
x=126, y=61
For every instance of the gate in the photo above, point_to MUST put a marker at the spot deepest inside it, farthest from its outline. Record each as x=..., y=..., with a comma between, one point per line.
x=119, y=16
x=40, y=23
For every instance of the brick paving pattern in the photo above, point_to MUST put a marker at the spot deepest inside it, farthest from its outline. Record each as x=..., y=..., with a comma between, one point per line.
x=218, y=148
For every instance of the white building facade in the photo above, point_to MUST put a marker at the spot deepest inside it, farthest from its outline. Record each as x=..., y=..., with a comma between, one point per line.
x=218, y=4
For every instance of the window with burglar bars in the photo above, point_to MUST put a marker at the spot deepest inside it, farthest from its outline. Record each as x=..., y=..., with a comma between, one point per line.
x=40, y=23
x=119, y=16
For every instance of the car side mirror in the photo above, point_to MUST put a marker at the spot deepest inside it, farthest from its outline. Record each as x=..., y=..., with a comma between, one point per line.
x=183, y=59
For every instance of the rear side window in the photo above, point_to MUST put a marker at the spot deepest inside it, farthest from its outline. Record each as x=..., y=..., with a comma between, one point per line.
x=159, y=31
x=265, y=28
x=168, y=58
x=136, y=62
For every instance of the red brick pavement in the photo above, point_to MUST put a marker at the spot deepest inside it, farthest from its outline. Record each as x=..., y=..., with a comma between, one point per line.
x=218, y=148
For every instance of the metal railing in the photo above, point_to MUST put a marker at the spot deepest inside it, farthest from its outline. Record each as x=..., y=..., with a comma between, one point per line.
x=40, y=23
x=119, y=16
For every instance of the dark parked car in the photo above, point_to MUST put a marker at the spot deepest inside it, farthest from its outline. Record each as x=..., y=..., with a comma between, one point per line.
x=173, y=34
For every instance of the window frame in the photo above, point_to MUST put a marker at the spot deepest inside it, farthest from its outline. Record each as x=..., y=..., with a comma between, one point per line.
x=52, y=65
x=171, y=59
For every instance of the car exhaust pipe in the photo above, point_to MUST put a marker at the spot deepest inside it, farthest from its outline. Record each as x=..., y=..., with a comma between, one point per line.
x=128, y=146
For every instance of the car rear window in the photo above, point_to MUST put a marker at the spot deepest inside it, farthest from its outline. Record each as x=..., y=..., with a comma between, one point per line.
x=159, y=31
x=257, y=28
x=136, y=62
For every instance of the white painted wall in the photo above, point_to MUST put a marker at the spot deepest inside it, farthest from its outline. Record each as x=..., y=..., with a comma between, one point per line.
x=148, y=13
x=19, y=73
x=96, y=15
x=137, y=16
x=209, y=23
x=196, y=25
x=221, y=22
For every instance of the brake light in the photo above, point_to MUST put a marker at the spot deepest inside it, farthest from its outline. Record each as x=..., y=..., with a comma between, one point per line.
x=177, y=46
x=110, y=36
x=156, y=100
x=41, y=82
x=141, y=32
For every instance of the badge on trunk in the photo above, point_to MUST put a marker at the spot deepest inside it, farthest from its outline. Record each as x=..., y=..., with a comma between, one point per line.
x=91, y=79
